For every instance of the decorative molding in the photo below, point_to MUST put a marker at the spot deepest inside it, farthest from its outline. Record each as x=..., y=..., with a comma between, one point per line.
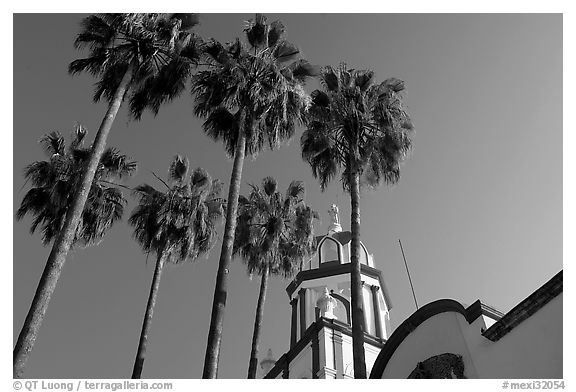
x=346, y=304
x=338, y=354
x=327, y=373
x=338, y=250
x=338, y=269
x=302, y=300
x=315, y=356
x=478, y=309
x=376, y=309
x=294, y=322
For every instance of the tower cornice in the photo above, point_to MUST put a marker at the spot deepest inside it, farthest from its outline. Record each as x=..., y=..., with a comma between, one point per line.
x=337, y=269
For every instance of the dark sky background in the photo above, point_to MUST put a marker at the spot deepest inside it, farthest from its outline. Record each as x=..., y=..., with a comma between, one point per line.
x=478, y=206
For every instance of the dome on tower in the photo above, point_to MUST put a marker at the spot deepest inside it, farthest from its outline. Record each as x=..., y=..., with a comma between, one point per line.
x=334, y=247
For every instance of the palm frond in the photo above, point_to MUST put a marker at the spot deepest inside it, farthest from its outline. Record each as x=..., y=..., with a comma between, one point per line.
x=188, y=21
x=181, y=222
x=95, y=33
x=117, y=165
x=285, y=51
x=269, y=186
x=78, y=137
x=178, y=168
x=256, y=31
x=145, y=42
x=53, y=143
x=356, y=126
x=54, y=183
x=295, y=190
x=108, y=84
x=200, y=180
x=275, y=32
x=257, y=86
x=273, y=232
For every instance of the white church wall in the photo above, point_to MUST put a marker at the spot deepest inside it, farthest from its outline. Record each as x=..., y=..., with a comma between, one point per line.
x=347, y=357
x=437, y=335
x=326, y=348
x=370, y=355
x=533, y=349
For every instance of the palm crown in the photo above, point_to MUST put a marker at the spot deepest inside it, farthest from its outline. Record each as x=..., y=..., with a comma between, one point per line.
x=253, y=89
x=179, y=222
x=149, y=43
x=356, y=125
x=53, y=183
x=275, y=232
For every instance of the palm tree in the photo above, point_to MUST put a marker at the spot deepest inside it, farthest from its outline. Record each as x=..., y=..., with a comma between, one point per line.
x=177, y=224
x=125, y=50
x=360, y=128
x=274, y=236
x=53, y=182
x=50, y=198
x=250, y=95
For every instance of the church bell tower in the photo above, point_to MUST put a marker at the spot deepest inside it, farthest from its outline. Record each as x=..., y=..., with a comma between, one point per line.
x=321, y=322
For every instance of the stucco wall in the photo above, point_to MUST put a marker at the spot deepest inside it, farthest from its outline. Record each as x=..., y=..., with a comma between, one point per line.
x=437, y=335
x=533, y=349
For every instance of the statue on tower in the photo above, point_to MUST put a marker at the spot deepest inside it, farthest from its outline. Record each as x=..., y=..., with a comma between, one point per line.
x=326, y=303
x=335, y=225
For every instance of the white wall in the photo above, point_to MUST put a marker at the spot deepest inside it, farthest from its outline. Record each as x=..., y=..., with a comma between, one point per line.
x=533, y=349
x=438, y=335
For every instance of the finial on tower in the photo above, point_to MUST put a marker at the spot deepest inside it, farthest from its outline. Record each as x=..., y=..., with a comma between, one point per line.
x=335, y=225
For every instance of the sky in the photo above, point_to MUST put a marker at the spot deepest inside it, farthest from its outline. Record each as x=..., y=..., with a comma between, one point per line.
x=478, y=207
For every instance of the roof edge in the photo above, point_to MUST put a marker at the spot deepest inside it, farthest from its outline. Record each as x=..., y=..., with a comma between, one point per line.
x=525, y=309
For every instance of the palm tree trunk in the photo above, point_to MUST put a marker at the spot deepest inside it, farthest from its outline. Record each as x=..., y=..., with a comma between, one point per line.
x=356, y=284
x=57, y=258
x=141, y=353
x=257, y=324
x=220, y=291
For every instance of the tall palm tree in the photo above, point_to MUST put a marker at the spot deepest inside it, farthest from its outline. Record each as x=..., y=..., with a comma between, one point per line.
x=250, y=95
x=125, y=50
x=177, y=224
x=54, y=180
x=359, y=128
x=50, y=199
x=274, y=236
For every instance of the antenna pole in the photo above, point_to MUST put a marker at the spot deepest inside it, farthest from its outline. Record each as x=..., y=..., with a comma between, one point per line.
x=408, y=272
